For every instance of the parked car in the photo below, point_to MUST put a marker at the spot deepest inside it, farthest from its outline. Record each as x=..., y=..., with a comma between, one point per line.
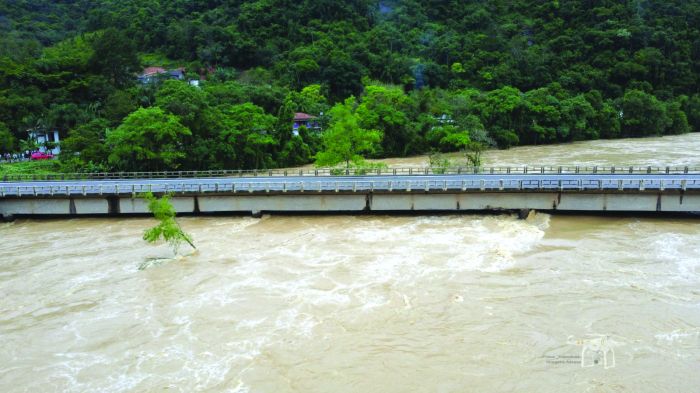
x=41, y=156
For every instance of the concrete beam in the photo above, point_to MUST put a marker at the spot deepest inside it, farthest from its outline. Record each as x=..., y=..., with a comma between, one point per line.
x=356, y=202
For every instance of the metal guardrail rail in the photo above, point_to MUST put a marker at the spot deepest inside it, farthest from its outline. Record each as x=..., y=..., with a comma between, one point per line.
x=500, y=170
x=311, y=186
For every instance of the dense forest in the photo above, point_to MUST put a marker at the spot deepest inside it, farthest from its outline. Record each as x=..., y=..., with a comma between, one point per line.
x=403, y=76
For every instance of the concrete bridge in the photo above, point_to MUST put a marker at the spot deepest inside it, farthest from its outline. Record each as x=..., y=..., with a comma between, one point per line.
x=670, y=190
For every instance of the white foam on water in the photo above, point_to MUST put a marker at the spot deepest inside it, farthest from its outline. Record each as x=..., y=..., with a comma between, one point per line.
x=687, y=337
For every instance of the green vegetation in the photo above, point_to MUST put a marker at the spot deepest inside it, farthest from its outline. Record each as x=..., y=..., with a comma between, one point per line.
x=167, y=229
x=344, y=141
x=427, y=75
x=31, y=168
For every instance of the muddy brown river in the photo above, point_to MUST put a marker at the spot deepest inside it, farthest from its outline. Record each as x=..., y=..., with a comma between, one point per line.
x=451, y=303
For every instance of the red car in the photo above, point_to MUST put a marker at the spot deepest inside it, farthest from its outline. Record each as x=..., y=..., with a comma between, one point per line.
x=41, y=156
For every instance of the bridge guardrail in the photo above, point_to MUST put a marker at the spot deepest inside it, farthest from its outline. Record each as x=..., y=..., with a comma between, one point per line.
x=336, y=172
x=311, y=186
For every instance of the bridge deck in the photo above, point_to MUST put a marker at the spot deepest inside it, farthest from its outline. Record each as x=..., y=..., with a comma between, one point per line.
x=374, y=183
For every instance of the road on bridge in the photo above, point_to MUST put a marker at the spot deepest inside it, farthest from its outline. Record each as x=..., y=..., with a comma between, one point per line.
x=378, y=183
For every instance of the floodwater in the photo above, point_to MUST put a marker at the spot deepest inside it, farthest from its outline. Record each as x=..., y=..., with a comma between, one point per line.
x=452, y=303
x=679, y=150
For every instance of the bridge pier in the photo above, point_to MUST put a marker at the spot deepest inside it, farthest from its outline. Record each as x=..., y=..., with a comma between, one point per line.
x=524, y=214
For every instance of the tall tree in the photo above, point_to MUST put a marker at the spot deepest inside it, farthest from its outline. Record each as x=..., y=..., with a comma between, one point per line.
x=114, y=55
x=345, y=141
x=148, y=139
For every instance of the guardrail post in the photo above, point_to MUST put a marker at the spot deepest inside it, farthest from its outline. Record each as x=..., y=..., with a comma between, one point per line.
x=410, y=171
x=600, y=184
x=683, y=185
x=661, y=185
x=391, y=186
x=580, y=184
x=500, y=184
x=508, y=170
x=267, y=187
x=612, y=169
x=482, y=185
x=648, y=169
x=371, y=185
x=525, y=170
x=668, y=170
x=561, y=186
x=620, y=187
x=250, y=188
x=394, y=171
x=631, y=170
x=19, y=192
x=444, y=185
x=641, y=185
x=84, y=191
x=301, y=186
x=559, y=170
x=577, y=169
x=685, y=170
x=336, y=186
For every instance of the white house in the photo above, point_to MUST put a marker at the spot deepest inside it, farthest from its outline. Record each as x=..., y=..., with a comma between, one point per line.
x=42, y=137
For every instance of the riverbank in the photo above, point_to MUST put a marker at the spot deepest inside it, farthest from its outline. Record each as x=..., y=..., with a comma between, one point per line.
x=652, y=151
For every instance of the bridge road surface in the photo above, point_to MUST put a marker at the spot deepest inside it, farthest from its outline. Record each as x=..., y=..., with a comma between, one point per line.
x=374, y=183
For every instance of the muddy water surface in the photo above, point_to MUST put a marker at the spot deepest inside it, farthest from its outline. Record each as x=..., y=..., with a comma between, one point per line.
x=458, y=303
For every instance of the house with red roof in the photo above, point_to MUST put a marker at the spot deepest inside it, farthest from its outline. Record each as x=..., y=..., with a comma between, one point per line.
x=152, y=74
x=306, y=120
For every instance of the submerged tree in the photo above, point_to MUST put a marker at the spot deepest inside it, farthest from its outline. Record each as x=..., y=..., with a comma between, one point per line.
x=168, y=229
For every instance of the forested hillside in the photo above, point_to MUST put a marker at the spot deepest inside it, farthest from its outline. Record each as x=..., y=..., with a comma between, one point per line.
x=428, y=75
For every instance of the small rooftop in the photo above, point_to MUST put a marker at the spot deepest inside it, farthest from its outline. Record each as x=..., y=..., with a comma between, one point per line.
x=300, y=116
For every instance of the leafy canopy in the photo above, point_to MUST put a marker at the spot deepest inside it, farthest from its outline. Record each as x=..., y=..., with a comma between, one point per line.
x=167, y=229
x=345, y=141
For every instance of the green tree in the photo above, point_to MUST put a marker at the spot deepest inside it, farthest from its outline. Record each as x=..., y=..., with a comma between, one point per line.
x=168, y=228
x=345, y=141
x=114, y=55
x=119, y=105
x=245, y=137
x=148, y=139
x=187, y=102
x=678, y=121
x=7, y=140
x=86, y=143
x=388, y=109
x=643, y=114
